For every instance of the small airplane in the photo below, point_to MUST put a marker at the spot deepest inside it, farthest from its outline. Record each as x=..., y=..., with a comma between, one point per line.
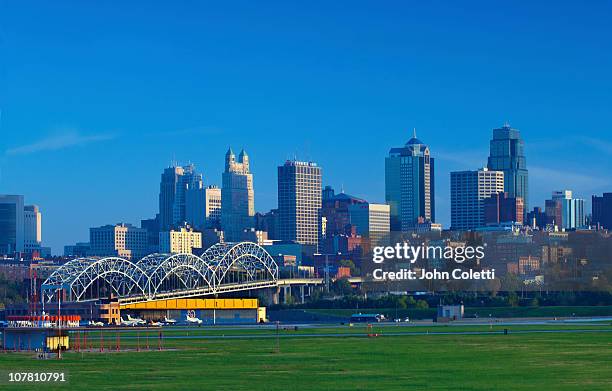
x=169, y=321
x=137, y=320
x=92, y=323
x=156, y=324
x=129, y=322
x=193, y=320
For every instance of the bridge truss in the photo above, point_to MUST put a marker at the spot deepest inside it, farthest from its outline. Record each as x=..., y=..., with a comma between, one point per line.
x=224, y=267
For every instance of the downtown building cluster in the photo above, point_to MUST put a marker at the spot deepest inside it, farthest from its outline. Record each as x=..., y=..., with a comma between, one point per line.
x=313, y=224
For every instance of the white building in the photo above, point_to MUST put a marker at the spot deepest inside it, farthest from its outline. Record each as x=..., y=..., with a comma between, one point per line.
x=468, y=192
x=299, y=202
x=121, y=240
x=372, y=221
x=32, y=238
x=237, y=196
x=183, y=240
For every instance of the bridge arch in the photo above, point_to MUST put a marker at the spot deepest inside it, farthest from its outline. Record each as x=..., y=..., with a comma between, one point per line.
x=192, y=272
x=221, y=265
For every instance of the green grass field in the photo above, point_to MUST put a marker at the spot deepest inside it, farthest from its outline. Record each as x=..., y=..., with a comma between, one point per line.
x=527, y=361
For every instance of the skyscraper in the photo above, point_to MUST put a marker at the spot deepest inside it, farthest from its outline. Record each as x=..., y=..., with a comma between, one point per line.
x=602, y=210
x=507, y=154
x=371, y=221
x=32, y=219
x=335, y=210
x=203, y=207
x=299, y=201
x=499, y=209
x=11, y=224
x=237, y=196
x=409, y=184
x=564, y=211
x=175, y=181
x=469, y=189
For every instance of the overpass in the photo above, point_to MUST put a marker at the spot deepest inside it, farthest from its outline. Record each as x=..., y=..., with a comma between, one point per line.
x=222, y=268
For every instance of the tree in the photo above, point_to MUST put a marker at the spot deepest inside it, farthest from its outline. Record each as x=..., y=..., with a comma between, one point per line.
x=402, y=302
x=341, y=287
x=513, y=299
x=422, y=305
x=511, y=282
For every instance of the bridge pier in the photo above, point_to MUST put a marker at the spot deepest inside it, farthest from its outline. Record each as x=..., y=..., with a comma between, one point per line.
x=286, y=293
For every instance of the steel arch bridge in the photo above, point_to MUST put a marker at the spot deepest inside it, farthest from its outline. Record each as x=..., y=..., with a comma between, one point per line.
x=224, y=267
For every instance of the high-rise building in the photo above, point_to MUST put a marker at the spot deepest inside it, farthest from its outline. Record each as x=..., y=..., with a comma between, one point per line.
x=499, y=208
x=335, y=211
x=203, y=207
x=409, y=184
x=268, y=222
x=11, y=224
x=237, y=196
x=564, y=211
x=371, y=221
x=507, y=154
x=152, y=227
x=175, y=181
x=469, y=189
x=120, y=240
x=299, y=202
x=32, y=238
x=602, y=210
x=182, y=240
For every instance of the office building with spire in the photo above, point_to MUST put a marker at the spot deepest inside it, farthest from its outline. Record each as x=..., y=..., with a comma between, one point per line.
x=409, y=185
x=237, y=196
x=507, y=154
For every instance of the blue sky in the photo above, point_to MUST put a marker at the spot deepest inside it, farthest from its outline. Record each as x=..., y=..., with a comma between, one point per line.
x=97, y=99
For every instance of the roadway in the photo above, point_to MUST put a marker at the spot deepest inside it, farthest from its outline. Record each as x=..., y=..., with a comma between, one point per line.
x=498, y=322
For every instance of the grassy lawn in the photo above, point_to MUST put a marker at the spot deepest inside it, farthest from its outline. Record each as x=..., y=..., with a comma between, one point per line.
x=533, y=361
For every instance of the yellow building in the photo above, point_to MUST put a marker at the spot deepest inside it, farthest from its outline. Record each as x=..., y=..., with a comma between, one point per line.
x=181, y=241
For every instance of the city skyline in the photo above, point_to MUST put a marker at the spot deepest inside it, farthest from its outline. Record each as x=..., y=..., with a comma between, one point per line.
x=108, y=103
x=201, y=177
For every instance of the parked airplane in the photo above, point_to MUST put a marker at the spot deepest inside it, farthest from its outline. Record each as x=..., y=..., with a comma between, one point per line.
x=169, y=321
x=192, y=319
x=129, y=322
x=137, y=320
x=95, y=324
x=156, y=324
